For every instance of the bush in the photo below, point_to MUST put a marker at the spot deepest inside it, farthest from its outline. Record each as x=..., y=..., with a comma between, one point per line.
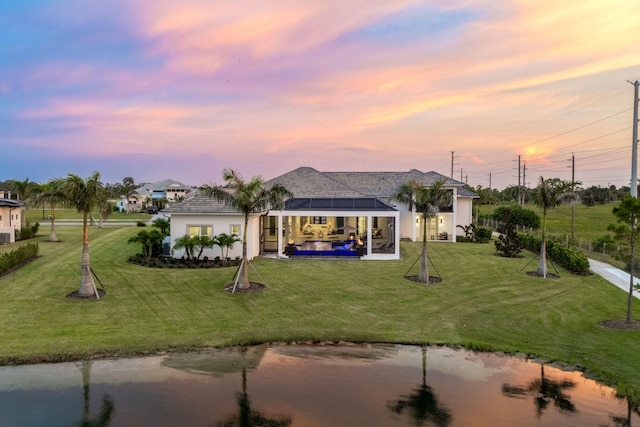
x=519, y=215
x=509, y=242
x=28, y=231
x=141, y=224
x=570, y=258
x=483, y=234
x=602, y=243
x=18, y=257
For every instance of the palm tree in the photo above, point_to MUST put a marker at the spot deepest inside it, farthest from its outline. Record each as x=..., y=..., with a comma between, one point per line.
x=427, y=201
x=105, y=209
x=148, y=240
x=187, y=243
x=50, y=192
x=83, y=195
x=248, y=198
x=627, y=214
x=163, y=224
x=202, y=242
x=549, y=194
x=226, y=242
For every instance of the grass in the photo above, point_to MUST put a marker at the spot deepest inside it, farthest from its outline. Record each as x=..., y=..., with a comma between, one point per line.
x=485, y=302
x=64, y=215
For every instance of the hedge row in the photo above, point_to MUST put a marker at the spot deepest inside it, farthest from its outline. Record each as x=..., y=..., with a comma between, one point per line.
x=570, y=258
x=18, y=257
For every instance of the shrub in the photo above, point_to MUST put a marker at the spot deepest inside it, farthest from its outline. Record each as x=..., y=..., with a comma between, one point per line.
x=28, y=231
x=18, y=257
x=519, y=215
x=509, y=240
x=484, y=234
x=141, y=224
x=602, y=243
x=570, y=258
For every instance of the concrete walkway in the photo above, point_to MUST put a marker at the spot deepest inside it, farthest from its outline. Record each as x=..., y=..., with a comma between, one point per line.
x=614, y=275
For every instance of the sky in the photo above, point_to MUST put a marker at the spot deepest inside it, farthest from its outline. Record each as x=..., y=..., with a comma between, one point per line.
x=182, y=89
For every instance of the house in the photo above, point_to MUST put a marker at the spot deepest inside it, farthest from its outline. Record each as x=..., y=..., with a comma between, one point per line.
x=154, y=194
x=10, y=219
x=331, y=214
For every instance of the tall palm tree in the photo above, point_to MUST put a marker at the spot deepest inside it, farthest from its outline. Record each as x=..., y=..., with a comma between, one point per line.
x=549, y=194
x=427, y=201
x=83, y=195
x=248, y=198
x=50, y=192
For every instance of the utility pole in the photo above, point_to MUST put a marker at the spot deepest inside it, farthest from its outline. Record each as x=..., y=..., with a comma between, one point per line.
x=460, y=174
x=519, y=185
x=634, y=143
x=524, y=180
x=573, y=194
x=490, y=193
x=452, y=163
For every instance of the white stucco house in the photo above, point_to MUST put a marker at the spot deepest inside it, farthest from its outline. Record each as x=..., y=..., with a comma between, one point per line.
x=10, y=219
x=330, y=214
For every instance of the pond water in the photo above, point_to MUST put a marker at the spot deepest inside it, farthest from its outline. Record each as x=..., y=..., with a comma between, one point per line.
x=308, y=385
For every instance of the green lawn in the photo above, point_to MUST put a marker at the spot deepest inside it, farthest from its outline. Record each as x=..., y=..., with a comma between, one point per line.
x=485, y=302
x=62, y=215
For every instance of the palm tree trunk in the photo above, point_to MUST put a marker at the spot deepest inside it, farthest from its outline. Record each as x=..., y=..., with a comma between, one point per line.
x=52, y=234
x=244, y=266
x=86, y=281
x=542, y=264
x=423, y=275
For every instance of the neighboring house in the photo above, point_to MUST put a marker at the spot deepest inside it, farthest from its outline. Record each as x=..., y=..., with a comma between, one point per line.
x=154, y=194
x=331, y=213
x=5, y=194
x=10, y=219
x=203, y=216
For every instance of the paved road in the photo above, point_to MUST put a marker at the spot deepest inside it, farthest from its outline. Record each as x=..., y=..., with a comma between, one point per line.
x=614, y=275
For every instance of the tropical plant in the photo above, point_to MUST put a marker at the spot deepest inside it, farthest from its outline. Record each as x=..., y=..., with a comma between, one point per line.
x=226, y=242
x=150, y=241
x=549, y=194
x=105, y=208
x=83, y=195
x=426, y=201
x=202, y=242
x=163, y=224
x=51, y=193
x=188, y=244
x=627, y=214
x=248, y=198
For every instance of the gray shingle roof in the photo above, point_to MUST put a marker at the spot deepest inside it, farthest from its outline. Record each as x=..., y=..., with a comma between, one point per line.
x=11, y=203
x=308, y=182
x=200, y=204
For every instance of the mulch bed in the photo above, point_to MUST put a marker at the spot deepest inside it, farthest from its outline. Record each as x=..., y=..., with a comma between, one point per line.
x=621, y=324
x=253, y=287
x=74, y=295
x=432, y=279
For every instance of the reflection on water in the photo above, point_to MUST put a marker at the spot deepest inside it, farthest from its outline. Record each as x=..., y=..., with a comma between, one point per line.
x=298, y=385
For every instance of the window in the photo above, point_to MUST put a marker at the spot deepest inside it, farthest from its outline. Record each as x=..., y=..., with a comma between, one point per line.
x=234, y=229
x=319, y=219
x=200, y=230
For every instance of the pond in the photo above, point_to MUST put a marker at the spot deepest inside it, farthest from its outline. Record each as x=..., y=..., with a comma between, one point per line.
x=308, y=385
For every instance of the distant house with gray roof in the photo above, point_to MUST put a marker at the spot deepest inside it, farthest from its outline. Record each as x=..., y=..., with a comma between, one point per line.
x=330, y=213
x=154, y=194
x=10, y=219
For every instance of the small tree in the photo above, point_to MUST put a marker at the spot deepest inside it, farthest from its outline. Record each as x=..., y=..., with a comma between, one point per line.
x=627, y=214
x=163, y=224
x=549, y=194
x=226, y=242
x=426, y=201
x=508, y=241
x=202, y=242
x=188, y=244
x=150, y=242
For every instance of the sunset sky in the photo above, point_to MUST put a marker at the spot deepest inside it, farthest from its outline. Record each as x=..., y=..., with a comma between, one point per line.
x=183, y=89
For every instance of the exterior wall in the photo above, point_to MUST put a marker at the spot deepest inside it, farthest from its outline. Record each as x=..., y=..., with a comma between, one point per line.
x=10, y=221
x=221, y=224
x=464, y=213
